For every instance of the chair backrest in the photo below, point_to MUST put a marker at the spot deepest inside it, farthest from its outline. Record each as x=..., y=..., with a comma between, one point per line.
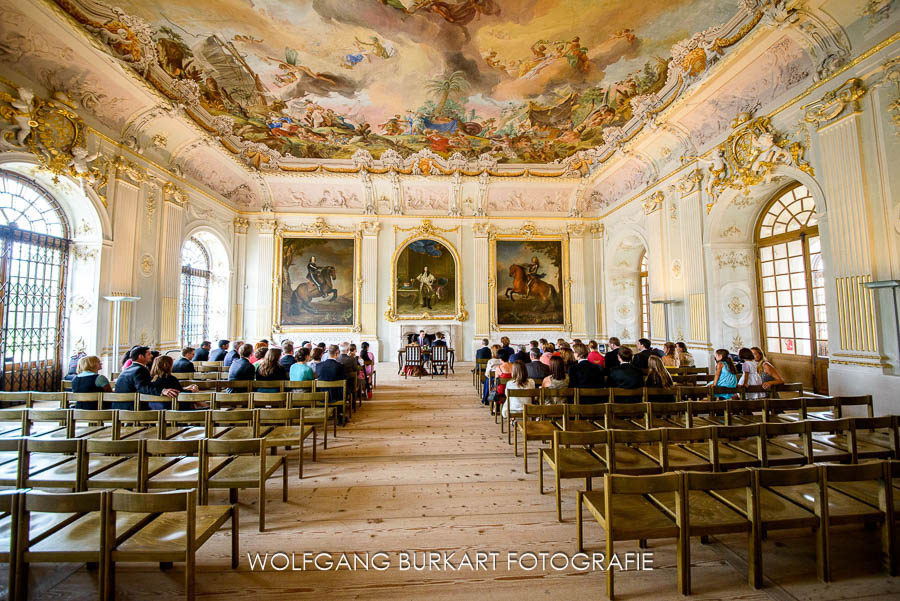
x=246, y=446
x=621, y=484
x=636, y=411
x=542, y=411
x=775, y=407
x=15, y=398
x=183, y=375
x=118, y=397
x=234, y=417
x=55, y=398
x=736, y=407
x=81, y=397
x=101, y=416
x=155, y=502
x=692, y=393
x=172, y=447
x=279, y=416
x=663, y=410
x=299, y=385
x=144, y=400
x=563, y=438
x=854, y=401
x=626, y=395
x=757, y=390
x=773, y=476
x=278, y=385
x=697, y=408
x=533, y=393
x=268, y=399
x=592, y=393
x=186, y=398
x=439, y=354
x=583, y=412
x=307, y=399
x=113, y=447
x=69, y=502
x=791, y=388
x=412, y=354
x=231, y=399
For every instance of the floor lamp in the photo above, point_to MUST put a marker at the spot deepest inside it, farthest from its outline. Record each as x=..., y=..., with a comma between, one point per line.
x=665, y=304
x=116, y=302
x=893, y=285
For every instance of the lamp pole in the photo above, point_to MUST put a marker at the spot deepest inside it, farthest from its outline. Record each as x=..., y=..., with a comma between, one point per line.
x=893, y=285
x=116, y=303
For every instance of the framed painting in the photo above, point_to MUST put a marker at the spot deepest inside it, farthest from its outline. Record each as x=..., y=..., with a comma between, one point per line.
x=425, y=280
x=530, y=276
x=316, y=282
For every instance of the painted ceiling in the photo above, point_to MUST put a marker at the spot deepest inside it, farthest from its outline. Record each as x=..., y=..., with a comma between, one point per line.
x=529, y=81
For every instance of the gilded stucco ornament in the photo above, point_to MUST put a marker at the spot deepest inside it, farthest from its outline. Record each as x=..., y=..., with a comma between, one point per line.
x=653, y=202
x=832, y=105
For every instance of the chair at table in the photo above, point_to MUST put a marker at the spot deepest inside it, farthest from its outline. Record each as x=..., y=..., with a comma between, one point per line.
x=179, y=527
x=625, y=513
x=412, y=358
x=440, y=358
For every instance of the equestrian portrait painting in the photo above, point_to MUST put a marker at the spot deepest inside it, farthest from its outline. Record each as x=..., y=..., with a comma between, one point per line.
x=425, y=279
x=317, y=283
x=529, y=276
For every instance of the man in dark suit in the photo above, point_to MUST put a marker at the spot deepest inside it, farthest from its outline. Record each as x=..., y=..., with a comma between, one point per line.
x=585, y=374
x=241, y=368
x=220, y=352
x=287, y=355
x=439, y=340
x=136, y=378
x=331, y=370
x=422, y=339
x=626, y=375
x=521, y=355
x=611, y=358
x=202, y=353
x=184, y=365
x=484, y=352
x=643, y=355
x=534, y=368
x=235, y=352
x=505, y=351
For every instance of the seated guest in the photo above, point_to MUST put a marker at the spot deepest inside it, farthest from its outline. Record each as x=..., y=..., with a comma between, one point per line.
x=685, y=359
x=611, y=358
x=557, y=378
x=315, y=357
x=533, y=345
x=669, y=358
x=626, y=375
x=221, y=350
x=492, y=364
x=89, y=379
x=269, y=368
x=659, y=378
x=518, y=381
x=259, y=351
x=584, y=374
x=506, y=351
x=241, y=368
x=521, y=355
x=439, y=340
x=136, y=378
x=287, y=354
x=594, y=355
x=768, y=373
x=366, y=371
x=726, y=372
x=73, y=365
x=161, y=377
x=548, y=352
x=300, y=371
x=235, y=352
x=351, y=365
x=202, y=353
x=331, y=370
x=644, y=352
x=422, y=339
x=324, y=348
x=568, y=356
x=535, y=368
x=184, y=365
x=484, y=352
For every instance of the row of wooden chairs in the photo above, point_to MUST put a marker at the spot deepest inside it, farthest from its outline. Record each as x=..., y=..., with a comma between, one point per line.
x=590, y=454
x=144, y=464
x=104, y=528
x=689, y=504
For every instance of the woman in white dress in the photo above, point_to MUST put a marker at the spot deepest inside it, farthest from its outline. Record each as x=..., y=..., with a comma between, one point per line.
x=750, y=373
x=519, y=381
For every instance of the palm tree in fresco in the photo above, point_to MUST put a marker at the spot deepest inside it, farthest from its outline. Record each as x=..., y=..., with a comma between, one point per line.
x=442, y=87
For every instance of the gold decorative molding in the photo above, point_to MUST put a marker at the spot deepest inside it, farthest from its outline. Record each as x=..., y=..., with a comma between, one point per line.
x=267, y=226
x=369, y=228
x=833, y=103
x=460, y=314
x=653, y=202
x=425, y=228
x=690, y=182
x=241, y=225
x=598, y=229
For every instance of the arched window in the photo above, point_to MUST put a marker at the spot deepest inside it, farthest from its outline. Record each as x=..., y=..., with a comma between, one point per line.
x=645, y=297
x=791, y=276
x=33, y=265
x=195, y=281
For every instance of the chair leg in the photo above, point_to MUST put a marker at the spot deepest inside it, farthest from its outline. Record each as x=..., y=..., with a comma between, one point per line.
x=315, y=442
x=610, y=588
x=284, y=481
x=541, y=472
x=683, y=561
x=262, y=505
x=558, y=497
x=516, y=442
x=579, y=523
x=300, y=460
x=754, y=556
x=823, y=553
x=189, y=565
x=235, y=538
x=525, y=450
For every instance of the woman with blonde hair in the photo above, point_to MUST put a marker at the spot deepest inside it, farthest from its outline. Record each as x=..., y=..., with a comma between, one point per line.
x=685, y=359
x=492, y=363
x=161, y=378
x=658, y=377
x=519, y=381
x=768, y=373
x=89, y=379
x=270, y=368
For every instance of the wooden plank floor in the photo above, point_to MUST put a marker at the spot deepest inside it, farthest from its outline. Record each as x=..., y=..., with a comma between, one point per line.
x=422, y=467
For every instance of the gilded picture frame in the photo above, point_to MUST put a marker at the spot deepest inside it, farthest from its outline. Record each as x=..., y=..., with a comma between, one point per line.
x=399, y=308
x=499, y=284
x=284, y=310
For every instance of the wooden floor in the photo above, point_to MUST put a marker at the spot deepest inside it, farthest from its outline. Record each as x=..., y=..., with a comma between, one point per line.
x=423, y=467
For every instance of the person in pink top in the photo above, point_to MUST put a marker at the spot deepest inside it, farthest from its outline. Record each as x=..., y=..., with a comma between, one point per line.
x=594, y=356
x=548, y=352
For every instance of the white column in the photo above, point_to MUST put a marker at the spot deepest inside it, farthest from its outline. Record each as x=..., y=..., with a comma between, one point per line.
x=692, y=216
x=482, y=285
x=599, y=230
x=264, y=277
x=576, y=279
x=169, y=264
x=238, y=276
x=369, y=289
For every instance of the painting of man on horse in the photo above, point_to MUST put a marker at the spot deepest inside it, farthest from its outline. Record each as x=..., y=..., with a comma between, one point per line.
x=531, y=283
x=324, y=270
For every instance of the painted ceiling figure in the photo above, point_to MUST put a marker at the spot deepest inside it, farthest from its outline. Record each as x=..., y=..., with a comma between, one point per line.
x=459, y=13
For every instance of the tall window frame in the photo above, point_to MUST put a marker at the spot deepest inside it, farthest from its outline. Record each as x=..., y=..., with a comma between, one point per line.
x=34, y=260
x=196, y=277
x=791, y=279
x=644, y=297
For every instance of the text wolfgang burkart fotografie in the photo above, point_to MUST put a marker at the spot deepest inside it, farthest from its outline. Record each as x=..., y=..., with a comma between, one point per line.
x=448, y=561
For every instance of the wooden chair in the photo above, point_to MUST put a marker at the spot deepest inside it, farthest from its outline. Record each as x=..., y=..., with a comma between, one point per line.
x=845, y=402
x=118, y=400
x=183, y=375
x=267, y=386
x=176, y=465
x=125, y=460
x=626, y=416
x=342, y=404
x=82, y=400
x=536, y=424
x=583, y=418
x=626, y=395
x=60, y=464
x=665, y=415
x=573, y=455
x=627, y=451
x=317, y=412
x=830, y=440
x=558, y=396
x=238, y=424
x=480, y=366
x=15, y=399
x=692, y=393
x=783, y=410
x=249, y=466
x=87, y=423
x=440, y=358
x=184, y=425
x=835, y=508
x=46, y=400
x=178, y=529
x=268, y=400
x=286, y=428
x=625, y=513
x=738, y=447
x=412, y=357
x=881, y=433
x=789, y=390
x=749, y=411
x=13, y=423
x=596, y=396
x=680, y=444
x=299, y=386
x=534, y=398
x=9, y=511
x=231, y=400
x=136, y=424
x=44, y=422
x=784, y=443
x=76, y=533
x=188, y=401
x=705, y=413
